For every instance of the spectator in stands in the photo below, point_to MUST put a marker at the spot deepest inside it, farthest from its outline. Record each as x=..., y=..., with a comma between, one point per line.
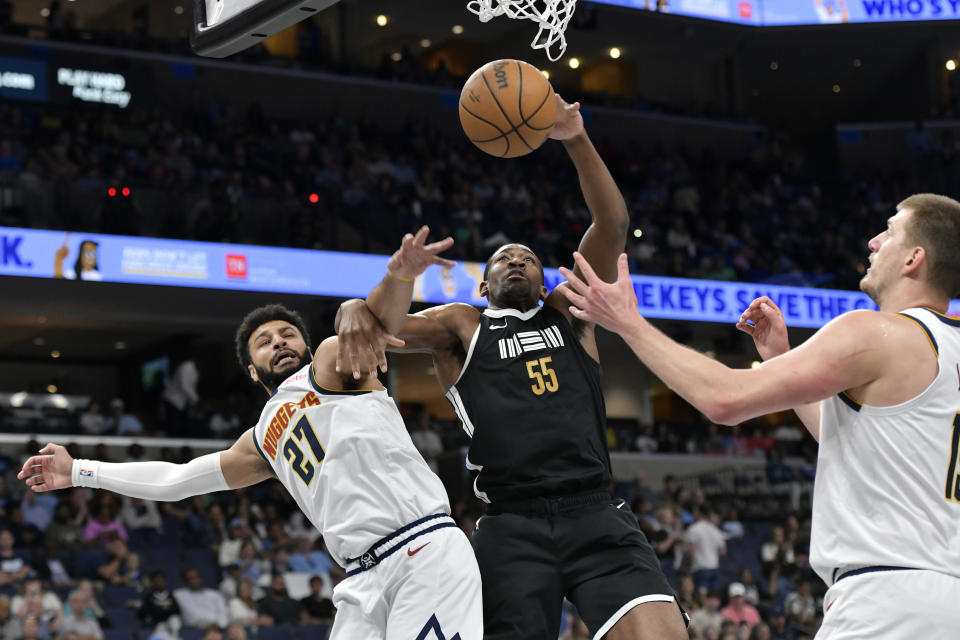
x=122, y=567
x=243, y=608
x=738, y=610
x=36, y=511
x=310, y=557
x=277, y=605
x=13, y=564
x=200, y=606
x=140, y=518
x=426, y=440
x=121, y=422
x=251, y=565
x=752, y=594
x=179, y=396
x=64, y=532
x=316, y=607
x=800, y=606
x=687, y=594
x=9, y=625
x=48, y=621
x=159, y=609
x=704, y=546
x=31, y=629
x=104, y=526
x=33, y=588
x=212, y=633
x=761, y=632
x=92, y=420
x=668, y=536
x=708, y=617
x=646, y=442
x=77, y=622
x=236, y=632
x=732, y=527
x=230, y=547
x=779, y=629
x=776, y=550
x=276, y=536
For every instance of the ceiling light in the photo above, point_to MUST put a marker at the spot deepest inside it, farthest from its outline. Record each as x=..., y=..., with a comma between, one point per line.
x=754, y=364
x=119, y=345
x=382, y=20
x=457, y=29
x=425, y=43
x=546, y=74
x=637, y=233
x=951, y=64
x=178, y=10
x=396, y=56
x=39, y=341
x=857, y=63
x=774, y=66
x=54, y=354
x=51, y=388
x=17, y=399
x=615, y=52
x=45, y=12
x=836, y=88
x=574, y=63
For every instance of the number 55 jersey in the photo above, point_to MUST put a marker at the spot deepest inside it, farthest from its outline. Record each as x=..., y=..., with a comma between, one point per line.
x=887, y=491
x=530, y=399
x=348, y=461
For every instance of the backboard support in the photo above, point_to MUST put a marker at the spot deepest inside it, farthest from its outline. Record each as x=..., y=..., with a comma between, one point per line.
x=224, y=27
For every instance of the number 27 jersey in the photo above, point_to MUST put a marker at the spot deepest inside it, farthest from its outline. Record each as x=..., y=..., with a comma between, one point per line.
x=348, y=461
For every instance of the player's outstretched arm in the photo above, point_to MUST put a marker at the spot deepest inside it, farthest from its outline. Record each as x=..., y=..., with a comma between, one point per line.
x=607, y=235
x=390, y=300
x=238, y=466
x=849, y=352
x=763, y=321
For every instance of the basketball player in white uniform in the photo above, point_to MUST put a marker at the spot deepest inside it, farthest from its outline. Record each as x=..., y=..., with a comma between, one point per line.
x=341, y=449
x=880, y=390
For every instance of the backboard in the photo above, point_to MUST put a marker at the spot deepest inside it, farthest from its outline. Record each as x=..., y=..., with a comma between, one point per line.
x=224, y=27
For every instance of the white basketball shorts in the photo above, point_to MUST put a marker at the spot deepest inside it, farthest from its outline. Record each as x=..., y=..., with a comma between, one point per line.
x=429, y=589
x=892, y=605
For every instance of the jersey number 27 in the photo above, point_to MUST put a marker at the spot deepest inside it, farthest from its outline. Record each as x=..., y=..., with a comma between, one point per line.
x=293, y=452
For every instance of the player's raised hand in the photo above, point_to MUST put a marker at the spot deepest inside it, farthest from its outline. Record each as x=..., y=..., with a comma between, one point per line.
x=613, y=306
x=414, y=255
x=48, y=471
x=361, y=340
x=764, y=322
x=569, y=121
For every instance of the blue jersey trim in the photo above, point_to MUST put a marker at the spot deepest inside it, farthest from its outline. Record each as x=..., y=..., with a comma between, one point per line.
x=850, y=402
x=933, y=341
x=259, y=450
x=953, y=322
x=334, y=392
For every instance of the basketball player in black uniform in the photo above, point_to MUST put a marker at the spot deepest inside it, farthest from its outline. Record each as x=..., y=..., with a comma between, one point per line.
x=525, y=381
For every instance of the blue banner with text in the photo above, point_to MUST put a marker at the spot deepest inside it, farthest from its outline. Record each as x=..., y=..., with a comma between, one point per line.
x=181, y=263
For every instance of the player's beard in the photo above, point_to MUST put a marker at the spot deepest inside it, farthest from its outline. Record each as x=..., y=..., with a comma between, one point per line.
x=271, y=379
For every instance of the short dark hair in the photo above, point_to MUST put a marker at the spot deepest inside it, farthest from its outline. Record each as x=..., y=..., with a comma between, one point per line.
x=936, y=227
x=259, y=317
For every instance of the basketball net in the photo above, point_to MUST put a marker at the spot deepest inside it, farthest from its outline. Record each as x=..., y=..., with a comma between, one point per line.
x=552, y=19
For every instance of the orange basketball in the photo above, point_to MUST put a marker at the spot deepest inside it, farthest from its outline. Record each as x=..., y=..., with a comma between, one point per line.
x=507, y=108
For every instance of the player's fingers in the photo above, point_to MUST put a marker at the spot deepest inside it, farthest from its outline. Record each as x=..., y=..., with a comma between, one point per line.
x=746, y=328
x=573, y=281
x=623, y=268
x=392, y=340
x=440, y=245
x=770, y=311
x=573, y=297
x=421, y=236
x=49, y=449
x=443, y=262
x=580, y=314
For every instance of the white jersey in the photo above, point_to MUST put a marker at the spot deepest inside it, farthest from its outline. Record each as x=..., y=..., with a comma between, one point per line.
x=348, y=461
x=887, y=490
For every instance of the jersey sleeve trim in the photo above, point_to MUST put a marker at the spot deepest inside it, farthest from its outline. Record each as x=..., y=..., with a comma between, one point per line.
x=930, y=338
x=257, y=445
x=953, y=322
x=849, y=401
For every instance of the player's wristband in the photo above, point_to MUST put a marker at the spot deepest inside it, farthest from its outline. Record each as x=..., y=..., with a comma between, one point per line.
x=85, y=473
x=400, y=278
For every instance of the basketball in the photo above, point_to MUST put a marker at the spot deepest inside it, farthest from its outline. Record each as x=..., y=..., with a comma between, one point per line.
x=507, y=108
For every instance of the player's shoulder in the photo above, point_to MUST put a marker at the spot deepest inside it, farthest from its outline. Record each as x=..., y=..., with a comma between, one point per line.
x=452, y=315
x=872, y=328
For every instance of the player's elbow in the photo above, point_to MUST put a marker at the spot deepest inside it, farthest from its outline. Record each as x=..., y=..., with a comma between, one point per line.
x=722, y=411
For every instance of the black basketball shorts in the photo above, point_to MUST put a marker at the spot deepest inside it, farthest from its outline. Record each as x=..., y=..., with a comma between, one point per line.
x=595, y=555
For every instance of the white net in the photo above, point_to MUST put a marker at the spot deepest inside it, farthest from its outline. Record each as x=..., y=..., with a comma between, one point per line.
x=552, y=19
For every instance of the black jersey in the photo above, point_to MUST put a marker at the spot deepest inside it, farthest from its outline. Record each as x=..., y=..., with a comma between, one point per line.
x=529, y=397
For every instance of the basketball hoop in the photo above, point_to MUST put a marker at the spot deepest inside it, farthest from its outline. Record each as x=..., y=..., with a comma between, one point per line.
x=552, y=19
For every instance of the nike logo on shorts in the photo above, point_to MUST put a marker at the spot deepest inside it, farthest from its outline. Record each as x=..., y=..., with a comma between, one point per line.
x=416, y=551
